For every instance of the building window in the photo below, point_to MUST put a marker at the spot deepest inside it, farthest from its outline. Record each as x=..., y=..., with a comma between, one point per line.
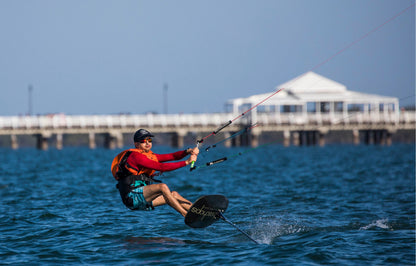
x=381, y=107
x=291, y=108
x=338, y=106
x=311, y=107
x=244, y=107
x=325, y=107
x=261, y=109
x=355, y=108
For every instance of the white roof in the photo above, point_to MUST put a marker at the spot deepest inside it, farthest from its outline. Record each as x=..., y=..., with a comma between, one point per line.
x=311, y=87
x=311, y=82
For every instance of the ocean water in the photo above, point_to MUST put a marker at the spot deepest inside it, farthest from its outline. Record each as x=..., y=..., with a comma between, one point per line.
x=339, y=204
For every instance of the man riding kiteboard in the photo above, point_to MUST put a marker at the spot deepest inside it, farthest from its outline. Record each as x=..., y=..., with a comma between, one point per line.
x=135, y=170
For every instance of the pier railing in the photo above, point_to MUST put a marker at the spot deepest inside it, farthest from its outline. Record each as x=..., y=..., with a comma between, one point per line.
x=109, y=121
x=61, y=121
x=293, y=125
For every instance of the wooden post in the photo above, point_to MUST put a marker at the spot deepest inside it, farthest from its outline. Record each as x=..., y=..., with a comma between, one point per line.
x=227, y=143
x=119, y=139
x=178, y=138
x=14, y=142
x=389, y=134
x=91, y=140
x=286, y=138
x=296, y=140
x=59, y=141
x=356, y=136
x=254, y=137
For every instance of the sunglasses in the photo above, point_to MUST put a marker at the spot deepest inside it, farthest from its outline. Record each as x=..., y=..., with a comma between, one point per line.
x=149, y=140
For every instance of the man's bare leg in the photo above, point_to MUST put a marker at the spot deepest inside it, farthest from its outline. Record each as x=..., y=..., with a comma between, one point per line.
x=162, y=193
x=186, y=204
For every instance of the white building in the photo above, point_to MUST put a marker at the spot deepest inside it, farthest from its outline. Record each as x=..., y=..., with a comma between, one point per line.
x=311, y=96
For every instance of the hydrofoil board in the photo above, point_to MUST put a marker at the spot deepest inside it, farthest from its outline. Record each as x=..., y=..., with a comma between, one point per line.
x=206, y=210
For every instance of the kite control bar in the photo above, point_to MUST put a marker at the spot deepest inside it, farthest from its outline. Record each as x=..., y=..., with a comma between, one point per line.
x=210, y=163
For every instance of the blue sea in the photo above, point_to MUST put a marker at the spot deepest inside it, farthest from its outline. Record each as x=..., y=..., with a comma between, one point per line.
x=338, y=204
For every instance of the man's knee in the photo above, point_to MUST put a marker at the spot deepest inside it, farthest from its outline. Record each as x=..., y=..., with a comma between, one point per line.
x=175, y=194
x=164, y=188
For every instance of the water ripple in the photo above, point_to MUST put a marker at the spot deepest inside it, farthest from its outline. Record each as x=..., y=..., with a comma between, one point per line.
x=316, y=205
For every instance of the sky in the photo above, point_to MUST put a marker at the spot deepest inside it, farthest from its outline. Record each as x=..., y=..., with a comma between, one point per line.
x=109, y=57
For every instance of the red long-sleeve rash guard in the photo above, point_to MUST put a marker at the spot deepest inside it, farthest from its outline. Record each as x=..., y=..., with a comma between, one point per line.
x=140, y=160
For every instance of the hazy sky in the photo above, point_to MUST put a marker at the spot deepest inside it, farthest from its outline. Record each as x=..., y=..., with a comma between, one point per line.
x=106, y=57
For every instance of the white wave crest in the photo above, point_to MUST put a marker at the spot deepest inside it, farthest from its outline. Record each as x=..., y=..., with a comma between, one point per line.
x=382, y=223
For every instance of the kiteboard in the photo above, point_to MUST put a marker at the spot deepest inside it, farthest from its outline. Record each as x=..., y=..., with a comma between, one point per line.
x=206, y=210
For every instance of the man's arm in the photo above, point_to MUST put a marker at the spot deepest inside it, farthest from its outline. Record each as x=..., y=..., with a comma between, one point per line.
x=174, y=156
x=140, y=160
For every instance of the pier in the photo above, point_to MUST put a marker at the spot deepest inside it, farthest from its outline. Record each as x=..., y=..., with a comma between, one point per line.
x=303, y=111
x=295, y=129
